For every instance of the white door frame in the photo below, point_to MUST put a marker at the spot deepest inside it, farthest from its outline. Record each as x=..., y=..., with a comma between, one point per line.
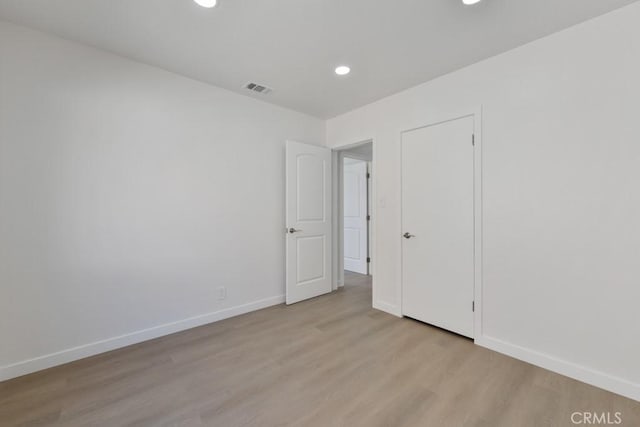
x=338, y=212
x=476, y=113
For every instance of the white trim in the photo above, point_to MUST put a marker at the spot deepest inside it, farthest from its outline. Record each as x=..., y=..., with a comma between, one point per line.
x=336, y=272
x=355, y=157
x=477, y=224
x=340, y=217
x=388, y=308
x=69, y=355
x=476, y=113
x=563, y=367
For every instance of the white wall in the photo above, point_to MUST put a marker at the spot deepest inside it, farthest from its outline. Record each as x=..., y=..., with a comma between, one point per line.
x=128, y=195
x=561, y=195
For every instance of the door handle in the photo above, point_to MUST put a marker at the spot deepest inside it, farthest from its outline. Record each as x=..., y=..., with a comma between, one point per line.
x=293, y=230
x=408, y=235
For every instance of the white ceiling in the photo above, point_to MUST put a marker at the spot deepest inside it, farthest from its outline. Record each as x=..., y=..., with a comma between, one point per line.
x=294, y=45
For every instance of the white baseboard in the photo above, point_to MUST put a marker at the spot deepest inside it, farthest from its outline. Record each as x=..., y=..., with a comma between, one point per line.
x=69, y=355
x=563, y=367
x=387, y=308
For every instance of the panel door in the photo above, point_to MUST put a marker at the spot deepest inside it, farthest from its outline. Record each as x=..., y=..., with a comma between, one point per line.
x=355, y=215
x=308, y=221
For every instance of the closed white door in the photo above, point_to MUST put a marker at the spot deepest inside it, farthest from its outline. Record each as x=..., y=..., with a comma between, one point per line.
x=308, y=221
x=355, y=215
x=438, y=225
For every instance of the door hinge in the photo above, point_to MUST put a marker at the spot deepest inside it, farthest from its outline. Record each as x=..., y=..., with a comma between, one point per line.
x=368, y=259
x=473, y=306
x=368, y=217
x=473, y=139
x=368, y=175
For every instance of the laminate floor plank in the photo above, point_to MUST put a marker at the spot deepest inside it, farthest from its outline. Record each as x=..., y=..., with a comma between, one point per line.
x=328, y=361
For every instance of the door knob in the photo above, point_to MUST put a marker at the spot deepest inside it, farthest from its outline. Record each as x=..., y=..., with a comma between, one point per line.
x=293, y=230
x=408, y=236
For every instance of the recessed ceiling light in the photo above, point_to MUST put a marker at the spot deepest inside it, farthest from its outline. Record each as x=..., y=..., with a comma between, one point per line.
x=343, y=70
x=470, y=1
x=207, y=3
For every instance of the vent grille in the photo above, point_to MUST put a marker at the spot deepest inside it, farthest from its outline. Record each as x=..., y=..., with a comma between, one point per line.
x=258, y=88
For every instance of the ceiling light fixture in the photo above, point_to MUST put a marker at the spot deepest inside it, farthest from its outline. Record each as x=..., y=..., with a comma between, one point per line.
x=470, y=2
x=207, y=3
x=343, y=70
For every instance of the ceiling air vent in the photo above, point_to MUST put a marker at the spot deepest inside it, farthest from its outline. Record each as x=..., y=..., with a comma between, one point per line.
x=255, y=87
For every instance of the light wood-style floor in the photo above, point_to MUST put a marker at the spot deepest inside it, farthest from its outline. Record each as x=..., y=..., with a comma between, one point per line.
x=330, y=361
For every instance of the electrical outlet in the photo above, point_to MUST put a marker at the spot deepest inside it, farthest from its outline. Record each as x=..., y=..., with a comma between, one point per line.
x=222, y=293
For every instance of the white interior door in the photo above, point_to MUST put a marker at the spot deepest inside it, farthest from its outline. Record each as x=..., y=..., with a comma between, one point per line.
x=308, y=220
x=438, y=225
x=355, y=215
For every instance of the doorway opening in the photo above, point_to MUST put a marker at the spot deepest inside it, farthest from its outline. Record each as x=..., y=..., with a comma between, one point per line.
x=353, y=230
x=316, y=253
